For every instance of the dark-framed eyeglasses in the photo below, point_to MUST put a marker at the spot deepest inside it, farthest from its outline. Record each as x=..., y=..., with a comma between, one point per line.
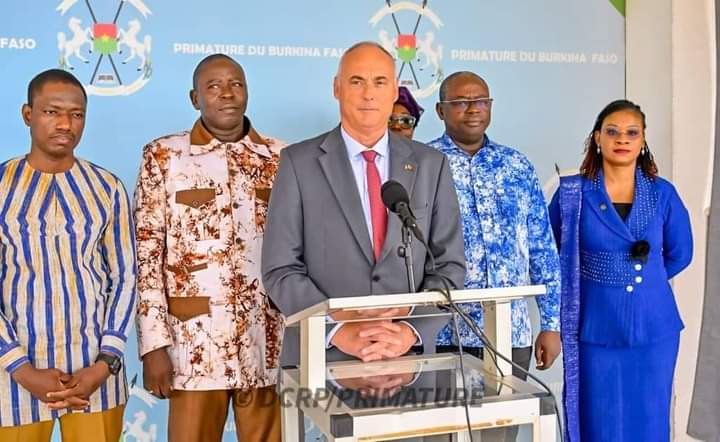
x=464, y=104
x=402, y=121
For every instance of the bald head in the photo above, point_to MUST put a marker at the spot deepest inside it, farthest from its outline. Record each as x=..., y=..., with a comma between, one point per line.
x=456, y=76
x=366, y=45
x=366, y=88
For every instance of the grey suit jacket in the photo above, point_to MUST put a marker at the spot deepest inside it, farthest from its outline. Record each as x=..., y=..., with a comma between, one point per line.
x=317, y=244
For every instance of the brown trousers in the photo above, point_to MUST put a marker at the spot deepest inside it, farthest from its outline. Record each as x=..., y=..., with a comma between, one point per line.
x=104, y=426
x=199, y=416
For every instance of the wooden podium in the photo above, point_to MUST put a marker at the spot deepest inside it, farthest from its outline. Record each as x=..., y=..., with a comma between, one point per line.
x=433, y=401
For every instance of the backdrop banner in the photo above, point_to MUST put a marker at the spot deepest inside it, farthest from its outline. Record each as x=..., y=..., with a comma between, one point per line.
x=551, y=67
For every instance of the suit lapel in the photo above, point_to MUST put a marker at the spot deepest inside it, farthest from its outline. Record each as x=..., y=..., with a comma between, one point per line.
x=644, y=205
x=403, y=169
x=338, y=172
x=598, y=200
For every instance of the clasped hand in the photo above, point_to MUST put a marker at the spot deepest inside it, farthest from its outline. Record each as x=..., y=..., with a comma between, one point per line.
x=377, y=386
x=376, y=339
x=61, y=390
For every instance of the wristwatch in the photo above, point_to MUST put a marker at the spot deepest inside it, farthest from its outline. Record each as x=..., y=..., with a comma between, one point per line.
x=113, y=362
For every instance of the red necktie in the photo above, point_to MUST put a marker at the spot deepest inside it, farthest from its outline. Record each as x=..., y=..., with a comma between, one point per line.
x=378, y=213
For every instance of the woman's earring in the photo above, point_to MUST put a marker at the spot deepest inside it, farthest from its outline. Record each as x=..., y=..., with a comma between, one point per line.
x=644, y=150
x=598, y=150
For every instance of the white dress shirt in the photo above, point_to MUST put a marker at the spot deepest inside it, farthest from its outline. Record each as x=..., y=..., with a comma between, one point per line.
x=359, y=168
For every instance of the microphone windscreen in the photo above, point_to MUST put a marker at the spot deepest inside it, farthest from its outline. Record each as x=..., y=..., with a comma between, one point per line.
x=393, y=193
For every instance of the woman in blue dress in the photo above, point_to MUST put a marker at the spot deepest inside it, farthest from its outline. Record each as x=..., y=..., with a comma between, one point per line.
x=622, y=232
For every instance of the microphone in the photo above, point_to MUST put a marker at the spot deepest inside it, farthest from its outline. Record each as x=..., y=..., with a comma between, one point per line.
x=396, y=199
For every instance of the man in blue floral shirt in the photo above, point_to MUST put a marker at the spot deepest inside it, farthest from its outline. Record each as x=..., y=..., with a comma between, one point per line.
x=508, y=239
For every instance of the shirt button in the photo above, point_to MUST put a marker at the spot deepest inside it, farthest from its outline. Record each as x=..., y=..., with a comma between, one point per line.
x=238, y=241
x=629, y=289
x=638, y=279
x=638, y=267
x=236, y=205
x=376, y=278
x=603, y=206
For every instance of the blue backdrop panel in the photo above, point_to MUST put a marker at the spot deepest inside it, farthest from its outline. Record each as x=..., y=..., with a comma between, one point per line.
x=551, y=66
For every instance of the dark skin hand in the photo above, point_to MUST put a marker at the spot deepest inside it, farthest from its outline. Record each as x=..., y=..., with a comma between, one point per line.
x=79, y=387
x=157, y=373
x=44, y=383
x=547, y=349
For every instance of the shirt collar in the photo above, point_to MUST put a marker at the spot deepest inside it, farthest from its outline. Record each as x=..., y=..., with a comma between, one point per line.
x=354, y=148
x=202, y=141
x=449, y=145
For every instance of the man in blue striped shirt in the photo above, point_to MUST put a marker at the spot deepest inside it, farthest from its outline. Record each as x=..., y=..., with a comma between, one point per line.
x=67, y=278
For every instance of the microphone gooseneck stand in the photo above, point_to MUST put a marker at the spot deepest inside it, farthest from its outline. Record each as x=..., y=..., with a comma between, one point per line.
x=405, y=251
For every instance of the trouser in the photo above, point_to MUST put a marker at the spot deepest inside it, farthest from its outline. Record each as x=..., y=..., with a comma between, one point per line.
x=520, y=356
x=199, y=416
x=102, y=426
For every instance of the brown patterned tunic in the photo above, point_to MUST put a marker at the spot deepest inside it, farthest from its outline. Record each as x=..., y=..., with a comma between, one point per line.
x=200, y=207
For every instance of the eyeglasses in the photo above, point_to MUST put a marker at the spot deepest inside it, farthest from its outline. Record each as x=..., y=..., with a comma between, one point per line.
x=402, y=121
x=464, y=104
x=632, y=134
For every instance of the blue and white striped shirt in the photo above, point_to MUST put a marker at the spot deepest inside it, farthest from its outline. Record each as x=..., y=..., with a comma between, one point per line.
x=67, y=279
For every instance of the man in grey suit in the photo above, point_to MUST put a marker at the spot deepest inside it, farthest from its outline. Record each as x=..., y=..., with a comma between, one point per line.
x=326, y=235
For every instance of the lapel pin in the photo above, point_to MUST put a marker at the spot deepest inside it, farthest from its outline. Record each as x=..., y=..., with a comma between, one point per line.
x=409, y=167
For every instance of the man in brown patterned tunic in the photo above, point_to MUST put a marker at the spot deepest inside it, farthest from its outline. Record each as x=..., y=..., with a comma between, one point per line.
x=207, y=333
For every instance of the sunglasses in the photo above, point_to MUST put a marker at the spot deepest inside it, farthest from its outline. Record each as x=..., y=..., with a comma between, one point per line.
x=463, y=105
x=402, y=121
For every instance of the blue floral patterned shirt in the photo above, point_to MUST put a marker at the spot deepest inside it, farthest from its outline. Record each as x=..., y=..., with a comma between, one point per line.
x=507, y=233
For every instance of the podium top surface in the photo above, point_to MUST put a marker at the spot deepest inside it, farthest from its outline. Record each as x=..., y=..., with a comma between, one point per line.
x=413, y=382
x=415, y=299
